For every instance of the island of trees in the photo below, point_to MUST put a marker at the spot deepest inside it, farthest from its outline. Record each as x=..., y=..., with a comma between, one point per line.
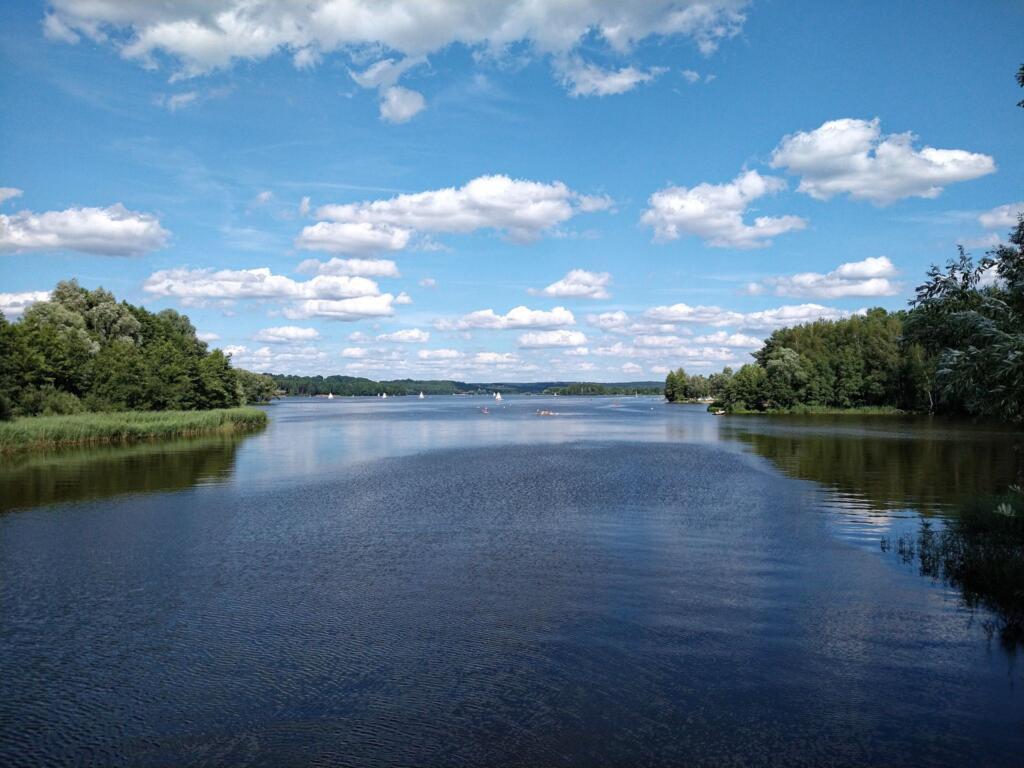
x=959, y=349
x=306, y=386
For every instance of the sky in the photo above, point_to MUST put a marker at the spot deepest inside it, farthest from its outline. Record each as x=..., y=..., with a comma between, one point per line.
x=502, y=191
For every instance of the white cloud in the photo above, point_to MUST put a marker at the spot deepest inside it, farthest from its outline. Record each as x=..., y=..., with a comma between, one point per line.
x=352, y=267
x=765, y=319
x=870, y=277
x=284, y=334
x=518, y=317
x=9, y=193
x=347, y=310
x=714, y=212
x=659, y=340
x=406, y=336
x=208, y=336
x=298, y=360
x=353, y=352
x=725, y=339
x=428, y=282
x=522, y=209
x=202, y=36
x=1000, y=217
x=578, y=283
x=438, y=354
x=403, y=298
x=632, y=368
x=199, y=285
x=546, y=339
x=13, y=304
x=112, y=231
x=691, y=76
x=495, y=358
x=361, y=237
x=852, y=156
x=264, y=197
x=582, y=79
x=399, y=105
x=304, y=206
x=609, y=321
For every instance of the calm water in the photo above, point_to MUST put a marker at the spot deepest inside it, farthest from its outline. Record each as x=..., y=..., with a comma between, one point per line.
x=419, y=583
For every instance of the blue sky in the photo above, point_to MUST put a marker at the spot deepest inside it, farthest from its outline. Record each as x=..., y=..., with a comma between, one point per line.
x=509, y=191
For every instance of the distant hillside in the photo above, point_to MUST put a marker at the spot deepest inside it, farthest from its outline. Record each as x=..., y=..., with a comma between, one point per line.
x=353, y=385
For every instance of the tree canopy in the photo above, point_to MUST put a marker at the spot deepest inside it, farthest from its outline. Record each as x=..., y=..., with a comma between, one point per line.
x=84, y=351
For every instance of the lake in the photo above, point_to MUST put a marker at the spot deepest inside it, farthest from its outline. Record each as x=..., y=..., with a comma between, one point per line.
x=408, y=582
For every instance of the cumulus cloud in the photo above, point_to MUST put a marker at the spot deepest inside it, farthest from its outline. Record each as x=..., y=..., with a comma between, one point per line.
x=200, y=285
x=112, y=231
x=354, y=352
x=14, y=304
x=203, y=36
x=517, y=317
x=765, y=319
x=631, y=368
x=297, y=360
x=853, y=157
x=582, y=79
x=9, y=193
x=521, y=209
x=578, y=283
x=547, y=339
x=406, y=336
x=726, y=339
x=609, y=321
x=714, y=212
x=870, y=277
x=438, y=354
x=346, y=310
x=284, y=334
x=399, y=105
x=360, y=237
x=208, y=336
x=1000, y=217
x=352, y=267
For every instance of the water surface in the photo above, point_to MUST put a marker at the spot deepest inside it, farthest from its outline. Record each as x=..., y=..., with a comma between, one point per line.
x=422, y=583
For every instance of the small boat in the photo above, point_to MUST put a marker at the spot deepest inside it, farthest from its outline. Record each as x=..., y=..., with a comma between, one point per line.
x=497, y=396
x=384, y=395
x=330, y=395
x=422, y=396
x=485, y=410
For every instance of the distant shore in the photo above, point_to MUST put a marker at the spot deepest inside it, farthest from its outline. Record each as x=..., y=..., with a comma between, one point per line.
x=40, y=433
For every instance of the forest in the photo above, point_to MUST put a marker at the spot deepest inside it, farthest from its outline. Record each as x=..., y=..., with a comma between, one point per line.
x=83, y=351
x=958, y=349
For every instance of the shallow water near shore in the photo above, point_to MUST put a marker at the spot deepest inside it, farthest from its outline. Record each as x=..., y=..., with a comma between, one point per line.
x=420, y=582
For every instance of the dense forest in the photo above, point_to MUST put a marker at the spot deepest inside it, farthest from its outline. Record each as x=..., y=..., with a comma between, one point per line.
x=84, y=351
x=959, y=349
x=350, y=385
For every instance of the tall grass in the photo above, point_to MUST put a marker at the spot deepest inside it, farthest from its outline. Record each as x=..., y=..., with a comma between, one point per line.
x=46, y=432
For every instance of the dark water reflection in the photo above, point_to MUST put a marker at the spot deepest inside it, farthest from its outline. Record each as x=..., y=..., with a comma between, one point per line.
x=424, y=584
x=95, y=473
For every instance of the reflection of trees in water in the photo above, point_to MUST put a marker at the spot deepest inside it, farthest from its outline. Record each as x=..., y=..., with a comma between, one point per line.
x=94, y=473
x=922, y=470
x=981, y=554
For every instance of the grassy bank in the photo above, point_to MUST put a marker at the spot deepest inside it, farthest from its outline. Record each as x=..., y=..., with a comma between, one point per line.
x=48, y=432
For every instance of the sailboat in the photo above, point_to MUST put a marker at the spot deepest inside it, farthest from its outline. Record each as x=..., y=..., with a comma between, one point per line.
x=384, y=395
x=422, y=396
x=497, y=395
x=330, y=395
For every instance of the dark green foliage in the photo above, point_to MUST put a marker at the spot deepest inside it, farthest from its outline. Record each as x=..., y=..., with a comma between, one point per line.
x=960, y=349
x=82, y=350
x=589, y=388
x=308, y=386
x=681, y=387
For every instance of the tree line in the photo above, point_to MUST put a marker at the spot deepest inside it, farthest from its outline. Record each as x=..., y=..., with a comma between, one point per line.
x=84, y=351
x=959, y=349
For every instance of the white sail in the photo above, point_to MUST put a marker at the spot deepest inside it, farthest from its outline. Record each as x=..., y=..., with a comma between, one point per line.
x=422, y=396
x=384, y=395
x=497, y=395
x=330, y=395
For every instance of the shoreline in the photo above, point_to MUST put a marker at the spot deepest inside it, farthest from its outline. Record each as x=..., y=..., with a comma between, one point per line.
x=48, y=433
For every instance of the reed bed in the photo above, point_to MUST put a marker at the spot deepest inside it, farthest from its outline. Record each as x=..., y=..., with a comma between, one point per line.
x=48, y=432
